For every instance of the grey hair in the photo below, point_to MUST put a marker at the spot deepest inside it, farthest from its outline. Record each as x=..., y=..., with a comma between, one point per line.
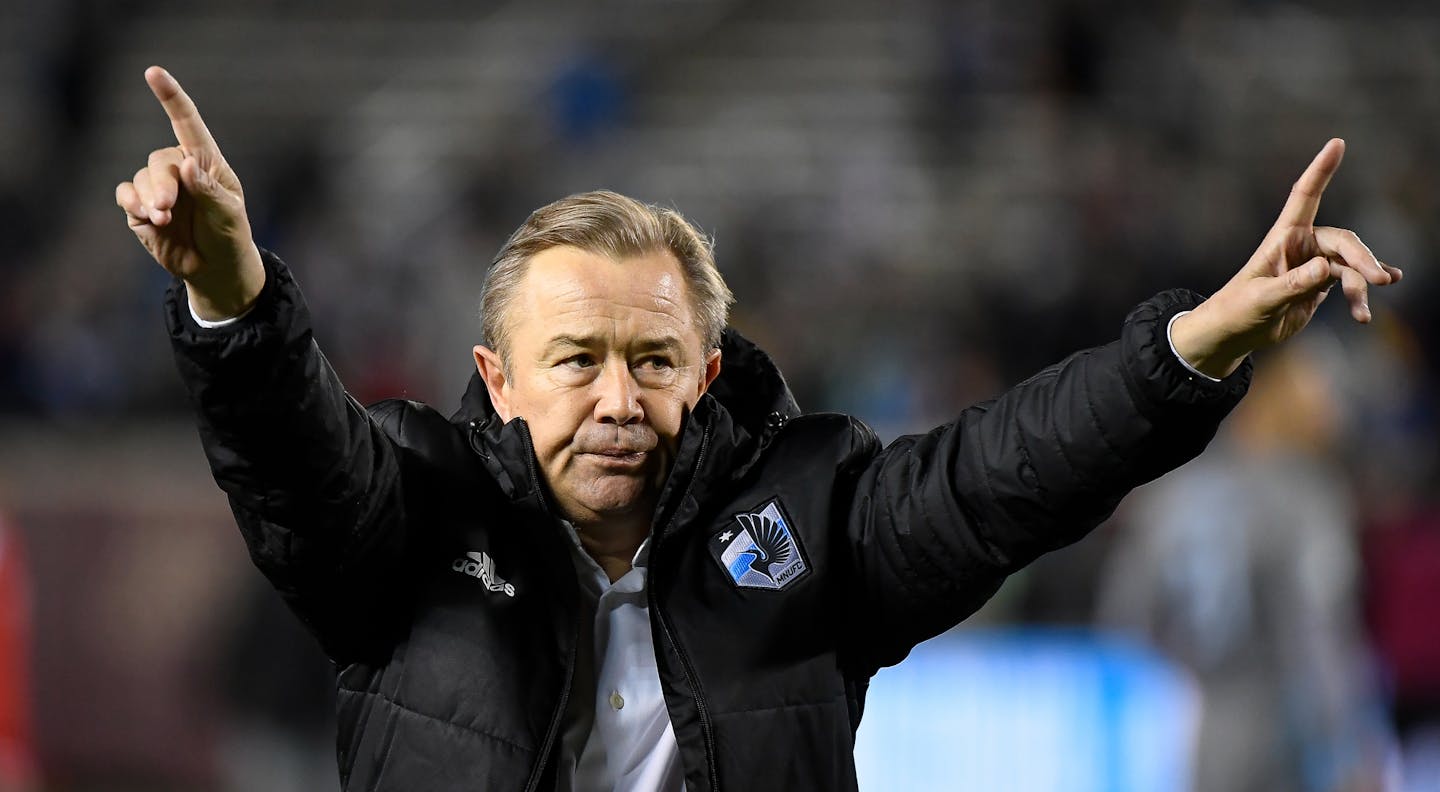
x=610, y=224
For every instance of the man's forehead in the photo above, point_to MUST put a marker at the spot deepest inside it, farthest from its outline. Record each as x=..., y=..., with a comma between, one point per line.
x=572, y=294
x=565, y=267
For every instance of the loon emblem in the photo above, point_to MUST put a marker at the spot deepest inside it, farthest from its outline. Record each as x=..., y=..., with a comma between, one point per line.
x=761, y=552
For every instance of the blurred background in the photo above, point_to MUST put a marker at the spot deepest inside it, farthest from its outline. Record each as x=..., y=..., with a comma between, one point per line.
x=917, y=203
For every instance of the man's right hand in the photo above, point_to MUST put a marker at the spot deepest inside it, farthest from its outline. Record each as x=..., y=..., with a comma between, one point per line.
x=186, y=207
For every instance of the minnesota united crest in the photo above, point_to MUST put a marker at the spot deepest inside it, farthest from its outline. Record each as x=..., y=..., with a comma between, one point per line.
x=759, y=550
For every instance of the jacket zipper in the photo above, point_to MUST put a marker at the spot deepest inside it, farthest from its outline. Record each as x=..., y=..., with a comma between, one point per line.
x=702, y=710
x=556, y=720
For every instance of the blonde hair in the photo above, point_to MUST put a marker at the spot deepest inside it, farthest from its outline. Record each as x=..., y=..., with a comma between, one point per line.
x=606, y=223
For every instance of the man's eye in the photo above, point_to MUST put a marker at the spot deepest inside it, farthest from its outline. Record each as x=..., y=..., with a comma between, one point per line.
x=578, y=362
x=655, y=371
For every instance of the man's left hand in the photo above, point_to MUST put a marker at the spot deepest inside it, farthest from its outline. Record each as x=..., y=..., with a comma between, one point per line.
x=1276, y=293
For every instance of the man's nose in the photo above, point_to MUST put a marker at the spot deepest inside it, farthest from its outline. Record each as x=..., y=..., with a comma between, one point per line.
x=619, y=396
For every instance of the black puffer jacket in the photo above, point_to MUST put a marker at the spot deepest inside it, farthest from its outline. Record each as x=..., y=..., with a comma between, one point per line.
x=792, y=556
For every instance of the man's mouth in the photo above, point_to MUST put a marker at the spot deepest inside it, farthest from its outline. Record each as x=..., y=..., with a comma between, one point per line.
x=617, y=457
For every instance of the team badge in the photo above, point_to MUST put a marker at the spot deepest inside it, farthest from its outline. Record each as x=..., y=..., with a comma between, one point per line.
x=759, y=550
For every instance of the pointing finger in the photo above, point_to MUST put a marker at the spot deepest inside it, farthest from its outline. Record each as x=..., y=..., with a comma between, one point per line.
x=1304, y=199
x=190, y=130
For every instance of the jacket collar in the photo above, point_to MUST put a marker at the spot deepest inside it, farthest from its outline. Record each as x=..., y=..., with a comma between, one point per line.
x=722, y=438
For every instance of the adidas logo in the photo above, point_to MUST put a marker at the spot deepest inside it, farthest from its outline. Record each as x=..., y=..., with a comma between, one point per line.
x=481, y=566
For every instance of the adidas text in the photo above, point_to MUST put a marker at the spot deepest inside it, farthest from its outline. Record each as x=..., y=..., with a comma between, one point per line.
x=481, y=566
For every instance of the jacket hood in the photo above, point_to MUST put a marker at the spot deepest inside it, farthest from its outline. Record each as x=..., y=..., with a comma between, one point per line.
x=750, y=387
x=746, y=404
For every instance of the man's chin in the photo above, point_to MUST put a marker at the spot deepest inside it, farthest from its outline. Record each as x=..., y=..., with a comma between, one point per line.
x=612, y=498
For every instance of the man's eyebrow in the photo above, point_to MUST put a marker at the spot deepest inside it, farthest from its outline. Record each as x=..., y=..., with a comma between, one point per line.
x=661, y=342
x=665, y=341
x=575, y=342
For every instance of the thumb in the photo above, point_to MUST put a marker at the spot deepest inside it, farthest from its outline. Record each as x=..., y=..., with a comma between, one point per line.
x=1308, y=277
x=1284, y=289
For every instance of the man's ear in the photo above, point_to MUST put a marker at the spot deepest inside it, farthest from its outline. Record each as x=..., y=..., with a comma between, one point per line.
x=712, y=370
x=492, y=370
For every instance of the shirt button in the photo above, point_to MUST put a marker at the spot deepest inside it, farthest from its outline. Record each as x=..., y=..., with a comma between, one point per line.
x=616, y=700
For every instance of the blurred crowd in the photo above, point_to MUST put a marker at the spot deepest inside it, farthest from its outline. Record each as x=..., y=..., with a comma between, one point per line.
x=916, y=203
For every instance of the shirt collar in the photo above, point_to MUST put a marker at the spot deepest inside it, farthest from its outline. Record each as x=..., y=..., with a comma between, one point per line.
x=590, y=570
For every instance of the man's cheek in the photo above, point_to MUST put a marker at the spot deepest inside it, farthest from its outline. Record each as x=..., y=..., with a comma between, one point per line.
x=552, y=450
x=665, y=411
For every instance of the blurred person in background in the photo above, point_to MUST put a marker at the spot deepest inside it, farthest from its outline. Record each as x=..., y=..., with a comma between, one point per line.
x=1244, y=566
x=1400, y=487
x=17, y=748
x=804, y=556
x=1403, y=598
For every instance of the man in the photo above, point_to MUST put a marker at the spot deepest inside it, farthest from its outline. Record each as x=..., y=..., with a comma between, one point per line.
x=628, y=561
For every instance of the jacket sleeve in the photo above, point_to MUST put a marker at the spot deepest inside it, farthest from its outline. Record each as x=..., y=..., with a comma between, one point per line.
x=939, y=520
x=311, y=477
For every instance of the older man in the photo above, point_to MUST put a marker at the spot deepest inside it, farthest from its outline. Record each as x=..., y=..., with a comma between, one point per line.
x=628, y=561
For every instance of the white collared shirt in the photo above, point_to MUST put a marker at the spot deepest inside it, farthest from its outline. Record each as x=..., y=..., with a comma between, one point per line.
x=617, y=733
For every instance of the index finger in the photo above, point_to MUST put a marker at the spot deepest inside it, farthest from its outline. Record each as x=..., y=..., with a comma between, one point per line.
x=1304, y=200
x=190, y=130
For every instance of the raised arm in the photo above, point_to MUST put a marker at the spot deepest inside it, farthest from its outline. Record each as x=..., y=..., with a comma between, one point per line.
x=941, y=519
x=313, y=480
x=186, y=207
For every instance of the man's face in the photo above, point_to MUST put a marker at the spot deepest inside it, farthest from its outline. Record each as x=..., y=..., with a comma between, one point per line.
x=605, y=357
